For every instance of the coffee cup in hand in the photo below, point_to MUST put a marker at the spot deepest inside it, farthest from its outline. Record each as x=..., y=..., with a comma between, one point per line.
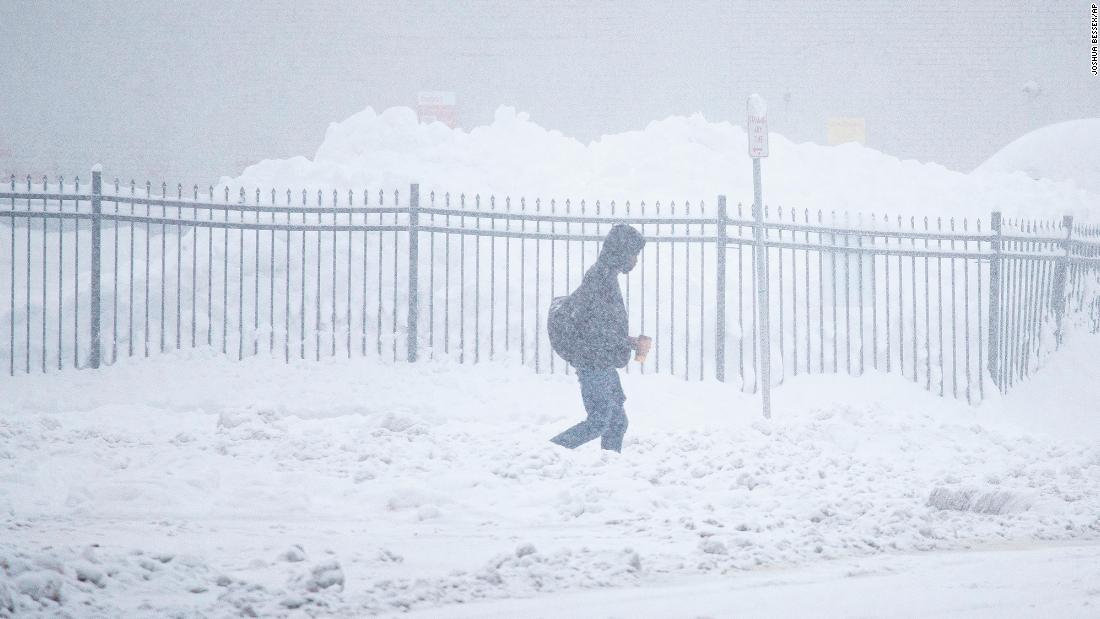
x=641, y=347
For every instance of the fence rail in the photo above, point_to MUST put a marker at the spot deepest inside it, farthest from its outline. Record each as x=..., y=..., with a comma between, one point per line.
x=96, y=275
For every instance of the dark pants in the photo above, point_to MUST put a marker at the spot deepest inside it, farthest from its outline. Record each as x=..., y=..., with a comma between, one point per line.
x=603, y=401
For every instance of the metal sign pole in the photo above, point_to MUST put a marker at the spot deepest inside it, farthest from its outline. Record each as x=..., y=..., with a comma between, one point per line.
x=758, y=148
x=764, y=371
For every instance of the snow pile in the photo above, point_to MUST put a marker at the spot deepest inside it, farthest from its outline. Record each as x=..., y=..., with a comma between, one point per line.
x=203, y=485
x=1065, y=390
x=676, y=158
x=1064, y=151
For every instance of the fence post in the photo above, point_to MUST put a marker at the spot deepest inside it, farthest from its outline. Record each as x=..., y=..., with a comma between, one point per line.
x=763, y=372
x=97, y=208
x=720, y=294
x=994, y=337
x=1060, y=272
x=414, y=254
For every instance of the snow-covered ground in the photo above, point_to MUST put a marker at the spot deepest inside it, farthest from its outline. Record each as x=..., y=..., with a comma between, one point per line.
x=193, y=485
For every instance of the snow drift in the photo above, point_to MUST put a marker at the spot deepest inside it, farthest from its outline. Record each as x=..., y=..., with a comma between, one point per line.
x=1066, y=151
x=675, y=158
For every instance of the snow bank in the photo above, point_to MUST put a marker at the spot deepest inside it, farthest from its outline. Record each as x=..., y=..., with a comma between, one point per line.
x=1062, y=398
x=206, y=485
x=1064, y=151
x=676, y=158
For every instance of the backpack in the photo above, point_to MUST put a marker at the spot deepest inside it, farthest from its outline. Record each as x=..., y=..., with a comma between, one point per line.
x=561, y=327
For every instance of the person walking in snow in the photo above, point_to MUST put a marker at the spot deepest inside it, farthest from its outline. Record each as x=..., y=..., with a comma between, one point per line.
x=596, y=343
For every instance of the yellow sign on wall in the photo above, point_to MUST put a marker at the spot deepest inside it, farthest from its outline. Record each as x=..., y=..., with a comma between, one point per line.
x=841, y=130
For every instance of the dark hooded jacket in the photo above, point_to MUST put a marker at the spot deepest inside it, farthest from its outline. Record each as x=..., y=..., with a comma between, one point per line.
x=600, y=313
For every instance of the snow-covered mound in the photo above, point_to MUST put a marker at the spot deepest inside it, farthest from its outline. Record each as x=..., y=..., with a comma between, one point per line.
x=192, y=485
x=1067, y=151
x=675, y=158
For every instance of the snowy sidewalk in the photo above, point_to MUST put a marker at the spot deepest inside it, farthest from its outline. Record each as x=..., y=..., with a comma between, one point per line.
x=1054, y=581
x=194, y=484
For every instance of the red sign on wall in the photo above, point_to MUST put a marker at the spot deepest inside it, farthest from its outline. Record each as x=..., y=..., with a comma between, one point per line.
x=436, y=106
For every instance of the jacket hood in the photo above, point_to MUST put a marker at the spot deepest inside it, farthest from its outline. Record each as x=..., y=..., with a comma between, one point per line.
x=620, y=246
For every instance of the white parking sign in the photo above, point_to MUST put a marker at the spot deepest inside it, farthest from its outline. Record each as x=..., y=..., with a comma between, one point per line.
x=758, y=127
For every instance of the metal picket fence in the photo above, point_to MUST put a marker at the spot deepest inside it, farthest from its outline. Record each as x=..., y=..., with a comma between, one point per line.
x=95, y=275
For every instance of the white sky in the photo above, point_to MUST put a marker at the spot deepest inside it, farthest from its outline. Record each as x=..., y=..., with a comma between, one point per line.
x=188, y=91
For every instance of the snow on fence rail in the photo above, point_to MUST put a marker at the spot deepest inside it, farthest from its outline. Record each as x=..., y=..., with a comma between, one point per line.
x=97, y=275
